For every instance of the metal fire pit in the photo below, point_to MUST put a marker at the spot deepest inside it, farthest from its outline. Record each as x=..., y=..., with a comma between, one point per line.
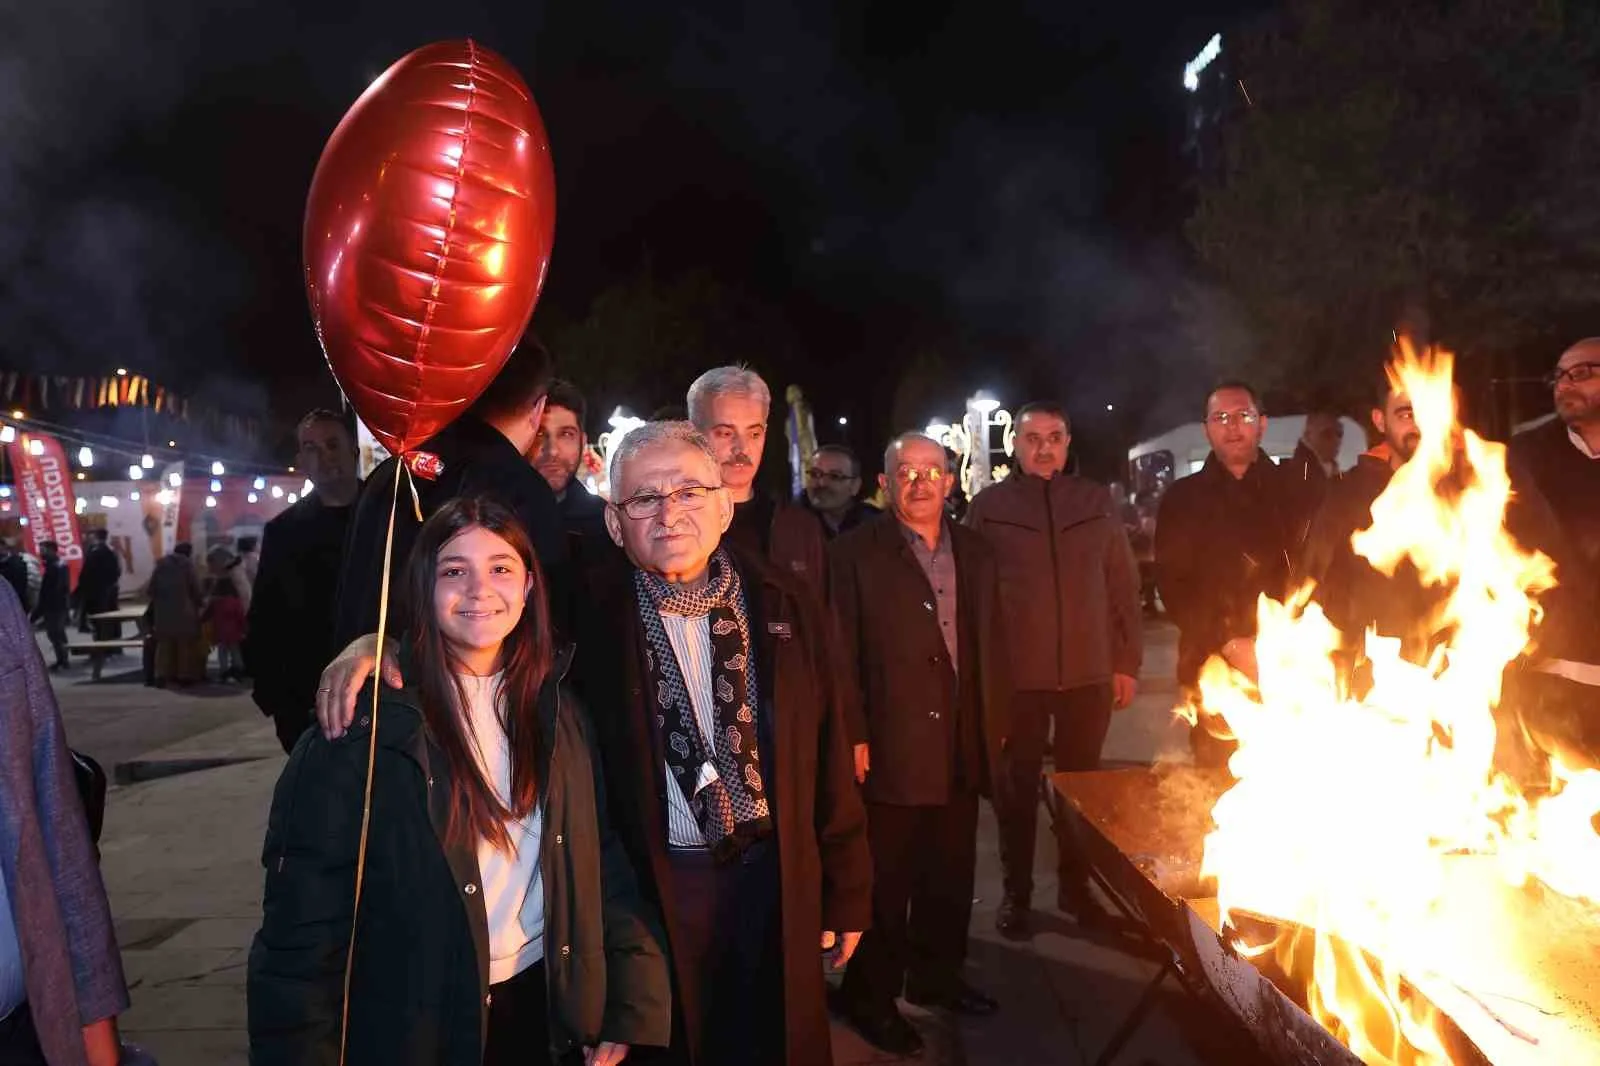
x=1142, y=831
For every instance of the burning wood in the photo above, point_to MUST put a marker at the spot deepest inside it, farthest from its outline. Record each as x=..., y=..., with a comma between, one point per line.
x=1380, y=821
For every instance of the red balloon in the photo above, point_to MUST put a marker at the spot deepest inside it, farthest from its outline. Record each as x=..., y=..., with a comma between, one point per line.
x=427, y=237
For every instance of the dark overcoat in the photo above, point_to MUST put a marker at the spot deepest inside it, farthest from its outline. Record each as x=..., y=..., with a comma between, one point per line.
x=820, y=822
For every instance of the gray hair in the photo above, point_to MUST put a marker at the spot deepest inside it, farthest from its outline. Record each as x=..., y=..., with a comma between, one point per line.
x=651, y=435
x=890, y=453
x=725, y=381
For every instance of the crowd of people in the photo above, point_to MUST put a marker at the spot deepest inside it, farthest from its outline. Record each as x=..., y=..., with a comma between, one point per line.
x=621, y=768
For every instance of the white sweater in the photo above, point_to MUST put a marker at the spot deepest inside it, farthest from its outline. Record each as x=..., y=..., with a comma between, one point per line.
x=513, y=886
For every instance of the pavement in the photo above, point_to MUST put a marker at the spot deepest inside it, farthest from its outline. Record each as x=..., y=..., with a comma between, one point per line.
x=181, y=860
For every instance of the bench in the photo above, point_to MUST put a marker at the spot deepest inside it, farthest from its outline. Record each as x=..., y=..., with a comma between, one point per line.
x=98, y=650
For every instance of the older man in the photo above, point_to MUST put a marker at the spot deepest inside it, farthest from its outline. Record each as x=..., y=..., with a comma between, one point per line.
x=1076, y=640
x=728, y=765
x=730, y=405
x=833, y=490
x=917, y=601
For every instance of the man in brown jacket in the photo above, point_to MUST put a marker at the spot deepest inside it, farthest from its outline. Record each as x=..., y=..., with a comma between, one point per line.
x=730, y=405
x=1071, y=591
x=917, y=604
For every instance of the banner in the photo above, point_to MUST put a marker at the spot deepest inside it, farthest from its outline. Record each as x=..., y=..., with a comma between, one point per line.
x=169, y=510
x=44, y=484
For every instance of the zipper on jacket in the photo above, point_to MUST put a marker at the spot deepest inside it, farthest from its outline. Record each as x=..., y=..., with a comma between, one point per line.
x=1055, y=573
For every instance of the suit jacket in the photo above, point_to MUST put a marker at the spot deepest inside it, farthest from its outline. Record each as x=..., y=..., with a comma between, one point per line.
x=69, y=952
x=902, y=697
x=477, y=459
x=819, y=821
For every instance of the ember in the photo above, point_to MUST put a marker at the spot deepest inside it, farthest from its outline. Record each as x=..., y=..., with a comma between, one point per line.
x=1378, y=826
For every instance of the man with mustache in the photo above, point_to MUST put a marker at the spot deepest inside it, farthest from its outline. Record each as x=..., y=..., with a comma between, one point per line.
x=916, y=598
x=730, y=405
x=1223, y=538
x=1075, y=638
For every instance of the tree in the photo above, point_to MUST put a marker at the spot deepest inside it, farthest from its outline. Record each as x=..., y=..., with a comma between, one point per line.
x=1411, y=163
x=644, y=339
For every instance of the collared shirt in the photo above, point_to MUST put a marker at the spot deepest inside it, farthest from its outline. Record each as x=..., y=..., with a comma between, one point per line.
x=691, y=643
x=13, y=988
x=1582, y=445
x=939, y=566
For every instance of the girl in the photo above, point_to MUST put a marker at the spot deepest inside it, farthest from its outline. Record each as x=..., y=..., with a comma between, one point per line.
x=499, y=920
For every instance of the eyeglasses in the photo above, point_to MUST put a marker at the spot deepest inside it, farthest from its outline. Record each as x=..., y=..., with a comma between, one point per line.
x=1246, y=417
x=649, y=504
x=910, y=475
x=1577, y=373
x=829, y=475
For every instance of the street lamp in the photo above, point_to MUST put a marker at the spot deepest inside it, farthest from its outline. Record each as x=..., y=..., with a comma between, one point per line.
x=843, y=421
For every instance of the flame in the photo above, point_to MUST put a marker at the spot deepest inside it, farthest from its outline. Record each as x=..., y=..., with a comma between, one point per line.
x=1351, y=815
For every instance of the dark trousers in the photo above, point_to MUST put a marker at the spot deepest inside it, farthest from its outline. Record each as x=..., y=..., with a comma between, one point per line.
x=923, y=864
x=19, y=1043
x=55, y=628
x=727, y=947
x=519, y=1020
x=1081, y=717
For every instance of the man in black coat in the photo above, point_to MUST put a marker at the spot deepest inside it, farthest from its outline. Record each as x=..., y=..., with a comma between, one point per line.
x=744, y=914
x=1562, y=460
x=558, y=456
x=833, y=490
x=97, y=586
x=916, y=599
x=290, y=635
x=481, y=452
x=1313, y=468
x=14, y=569
x=1223, y=537
x=54, y=601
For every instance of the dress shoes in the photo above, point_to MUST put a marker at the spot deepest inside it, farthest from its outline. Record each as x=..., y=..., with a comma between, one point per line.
x=887, y=1030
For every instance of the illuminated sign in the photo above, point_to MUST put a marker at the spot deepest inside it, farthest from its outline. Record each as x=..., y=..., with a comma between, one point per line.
x=1192, y=69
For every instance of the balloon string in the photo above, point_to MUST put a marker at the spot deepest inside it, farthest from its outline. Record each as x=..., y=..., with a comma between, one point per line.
x=372, y=758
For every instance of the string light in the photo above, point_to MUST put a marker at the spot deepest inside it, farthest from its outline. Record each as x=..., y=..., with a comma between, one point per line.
x=211, y=501
x=134, y=495
x=35, y=446
x=175, y=479
x=80, y=504
x=216, y=469
x=147, y=461
x=251, y=498
x=135, y=472
x=108, y=501
x=277, y=492
x=306, y=487
x=5, y=492
x=259, y=484
x=85, y=456
x=293, y=498
x=164, y=497
x=216, y=486
x=8, y=434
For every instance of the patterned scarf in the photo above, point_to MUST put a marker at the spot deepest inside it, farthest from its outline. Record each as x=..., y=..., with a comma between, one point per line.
x=732, y=809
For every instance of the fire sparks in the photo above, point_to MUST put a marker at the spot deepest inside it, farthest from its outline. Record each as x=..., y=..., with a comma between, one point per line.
x=1355, y=815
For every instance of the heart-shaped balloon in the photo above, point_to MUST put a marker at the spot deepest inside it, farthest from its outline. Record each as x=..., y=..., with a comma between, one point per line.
x=427, y=237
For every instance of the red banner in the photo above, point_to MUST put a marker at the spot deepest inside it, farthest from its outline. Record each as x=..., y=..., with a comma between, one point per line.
x=44, y=483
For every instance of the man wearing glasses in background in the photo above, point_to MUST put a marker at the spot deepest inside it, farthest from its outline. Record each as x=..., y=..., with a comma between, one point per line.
x=1223, y=537
x=1562, y=460
x=916, y=599
x=833, y=490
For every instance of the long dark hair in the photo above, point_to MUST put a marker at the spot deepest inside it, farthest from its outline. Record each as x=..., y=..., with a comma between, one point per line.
x=475, y=811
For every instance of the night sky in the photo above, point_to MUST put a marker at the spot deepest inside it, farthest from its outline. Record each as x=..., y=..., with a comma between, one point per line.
x=982, y=177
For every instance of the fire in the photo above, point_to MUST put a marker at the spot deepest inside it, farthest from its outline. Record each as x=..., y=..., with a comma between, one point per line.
x=1353, y=817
